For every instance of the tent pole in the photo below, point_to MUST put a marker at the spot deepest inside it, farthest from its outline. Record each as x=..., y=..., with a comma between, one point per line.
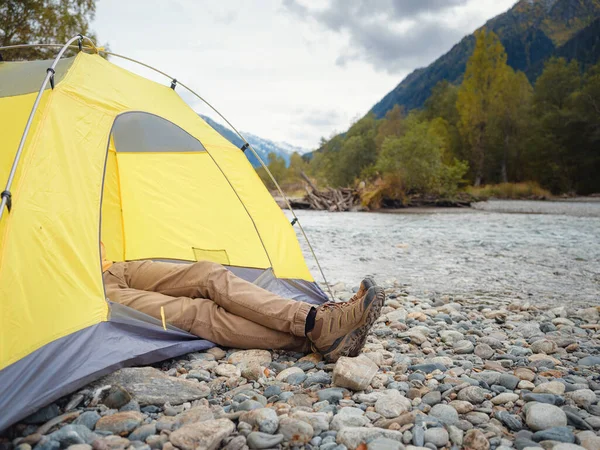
x=6, y=196
x=97, y=50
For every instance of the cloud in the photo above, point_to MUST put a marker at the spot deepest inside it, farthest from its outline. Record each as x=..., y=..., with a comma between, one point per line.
x=391, y=35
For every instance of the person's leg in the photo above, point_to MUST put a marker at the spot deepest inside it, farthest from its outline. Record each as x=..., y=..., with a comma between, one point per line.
x=199, y=316
x=210, y=280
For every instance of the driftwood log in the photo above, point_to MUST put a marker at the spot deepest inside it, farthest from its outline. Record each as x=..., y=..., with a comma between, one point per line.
x=343, y=199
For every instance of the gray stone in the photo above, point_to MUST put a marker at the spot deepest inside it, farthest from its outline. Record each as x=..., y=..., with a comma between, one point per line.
x=332, y=395
x=392, y=404
x=43, y=415
x=512, y=421
x=582, y=397
x=432, y=398
x=320, y=377
x=150, y=386
x=463, y=347
x=141, y=433
x=236, y=443
x=87, y=419
x=262, y=357
x=445, y=413
x=352, y=437
x=382, y=443
x=589, y=361
x=272, y=390
x=428, y=367
x=117, y=397
x=196, y=414
x=73, y=434
x=249, y=405
x=550, y=399
x=318, y=420
x=258, y=440
x=456, y=435
x=551, y=387
x=349, y=417
x=354, y=373
x=505, y=397
x=296, y=378
x=265, y=418
x=121, y=423
x=472, y=394
x=46, y=444
x=544, y=346
x=205, y=435
x=568, y=447
x=484, y=351
x=297, y=432
x=540, y=416
x=560, y=434
x=436, y=436
x=508, y=381
x=475, y=440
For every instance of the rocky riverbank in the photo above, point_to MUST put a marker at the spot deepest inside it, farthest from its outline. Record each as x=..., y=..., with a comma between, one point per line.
x=435, y=373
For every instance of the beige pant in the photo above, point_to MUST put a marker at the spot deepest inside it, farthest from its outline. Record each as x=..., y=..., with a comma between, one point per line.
x=209, y=301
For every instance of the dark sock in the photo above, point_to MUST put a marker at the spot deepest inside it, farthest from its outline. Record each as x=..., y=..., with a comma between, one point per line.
x=310, y=320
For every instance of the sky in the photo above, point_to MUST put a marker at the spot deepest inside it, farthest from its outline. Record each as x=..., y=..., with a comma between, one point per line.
x=287, y=70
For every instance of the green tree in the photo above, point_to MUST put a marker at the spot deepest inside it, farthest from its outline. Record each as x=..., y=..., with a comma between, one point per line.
x=510, y=114
x=416, y=158
x=586, y=152
x=392, y=125
x=555, y=134
x=43, y=22
x=478, y=95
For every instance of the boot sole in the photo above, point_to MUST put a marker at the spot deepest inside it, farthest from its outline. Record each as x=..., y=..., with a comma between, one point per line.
x=352, y=343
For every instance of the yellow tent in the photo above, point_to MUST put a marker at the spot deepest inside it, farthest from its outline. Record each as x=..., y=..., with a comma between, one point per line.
x=115, y=157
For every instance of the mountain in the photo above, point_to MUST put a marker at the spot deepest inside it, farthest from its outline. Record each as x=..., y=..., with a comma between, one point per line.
x=262, y=146
x=531, y=31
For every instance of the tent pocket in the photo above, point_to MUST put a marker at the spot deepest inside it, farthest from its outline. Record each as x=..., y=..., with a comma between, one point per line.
x=218, y=256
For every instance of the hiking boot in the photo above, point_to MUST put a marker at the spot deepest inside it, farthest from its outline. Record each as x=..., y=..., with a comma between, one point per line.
x=363, y=288
x=341, y=328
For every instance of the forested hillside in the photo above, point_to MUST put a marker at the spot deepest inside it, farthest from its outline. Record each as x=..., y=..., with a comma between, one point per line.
x=492, y=127
x=531, y=32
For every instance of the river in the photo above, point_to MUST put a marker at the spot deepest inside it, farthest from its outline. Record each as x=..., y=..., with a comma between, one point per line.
x=542, y=252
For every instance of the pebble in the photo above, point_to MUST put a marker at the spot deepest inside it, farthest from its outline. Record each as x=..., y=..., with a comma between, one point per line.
x=207, y=434
x=540, y=416
x=436, y=372
x=484, y=351
x=560, y=434
x=475, y=440
x=551, y=387
x=392, y=404
x=121, y=423
x=436, y=436
x=445, y=413
x=354, y=373
x=582, y=397
x=258, y=440
x=472, y=394
x=349, y=417
x=463, y=347
x=353, y=437
x=297, y=432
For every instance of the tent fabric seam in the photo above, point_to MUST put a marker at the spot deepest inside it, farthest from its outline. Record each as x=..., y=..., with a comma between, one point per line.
x=244, y=206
